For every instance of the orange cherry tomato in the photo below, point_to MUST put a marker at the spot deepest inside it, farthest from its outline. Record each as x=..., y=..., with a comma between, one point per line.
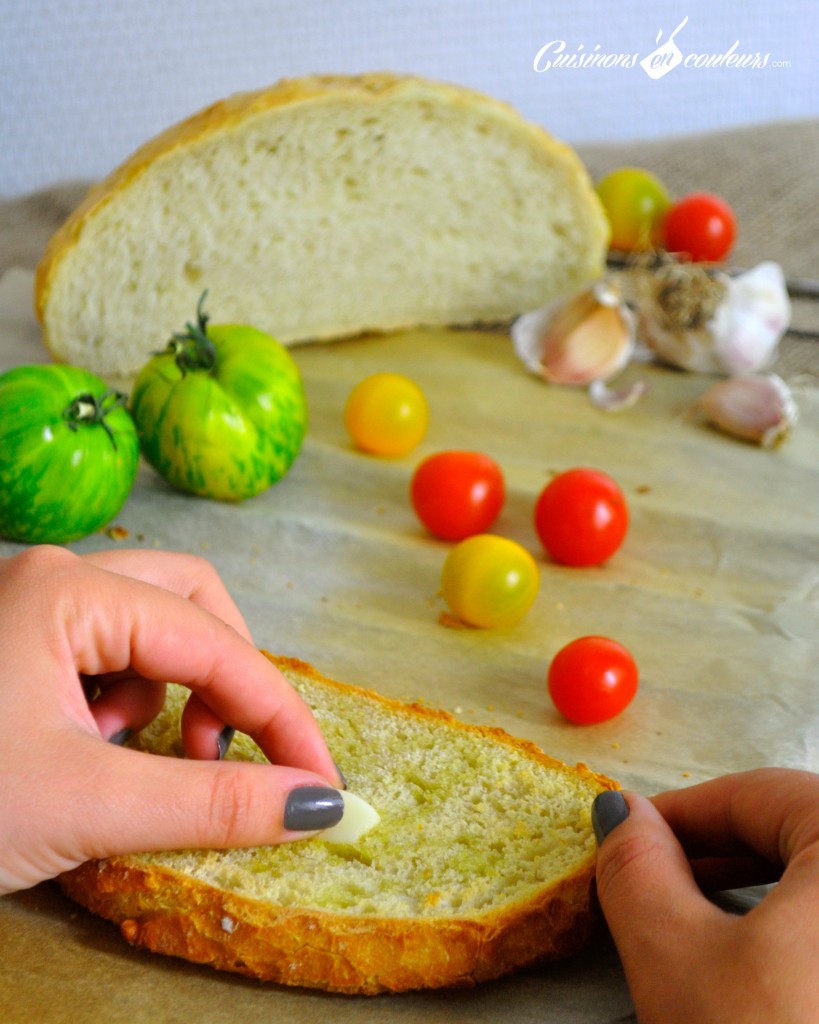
x=386, y=414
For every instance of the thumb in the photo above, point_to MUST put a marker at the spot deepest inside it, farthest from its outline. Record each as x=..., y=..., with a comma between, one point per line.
x=139, y=802
x=646, y=889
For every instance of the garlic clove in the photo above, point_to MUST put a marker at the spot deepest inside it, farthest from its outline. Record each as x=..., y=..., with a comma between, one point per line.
x=757, y=408
x=586, y=337
x=701, y=319
x=752, y=318
x=358, y=819
x=676, y=306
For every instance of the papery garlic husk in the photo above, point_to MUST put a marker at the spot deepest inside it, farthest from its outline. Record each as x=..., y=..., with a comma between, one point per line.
x=758, y=408
x=702, y=319
x=576, y=340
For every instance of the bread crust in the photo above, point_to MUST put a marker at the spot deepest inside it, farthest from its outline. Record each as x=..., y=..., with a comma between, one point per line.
x=368, y=88
x=166, y=911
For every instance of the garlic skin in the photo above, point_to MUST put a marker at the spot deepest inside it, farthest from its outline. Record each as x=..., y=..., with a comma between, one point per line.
x=736, y=328
x=758, y=408
x=751, y=320
x=576, y=340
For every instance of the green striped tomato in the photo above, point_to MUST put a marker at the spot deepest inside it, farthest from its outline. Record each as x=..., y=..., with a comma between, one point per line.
x=221, y=412
x=68, y=453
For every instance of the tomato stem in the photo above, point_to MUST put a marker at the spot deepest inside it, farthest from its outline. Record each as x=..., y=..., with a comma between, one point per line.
x=87, y=408
x=192, y=348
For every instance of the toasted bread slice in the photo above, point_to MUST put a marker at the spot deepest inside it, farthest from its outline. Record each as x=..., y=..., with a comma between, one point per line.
x=483, y=860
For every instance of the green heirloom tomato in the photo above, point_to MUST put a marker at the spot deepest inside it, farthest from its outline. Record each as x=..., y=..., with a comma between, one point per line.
x=221, y=412
x=68, y=454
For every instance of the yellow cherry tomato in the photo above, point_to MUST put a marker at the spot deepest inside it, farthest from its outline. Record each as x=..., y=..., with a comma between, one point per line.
x=636, y=203
x=386, y=414
x=490, y=581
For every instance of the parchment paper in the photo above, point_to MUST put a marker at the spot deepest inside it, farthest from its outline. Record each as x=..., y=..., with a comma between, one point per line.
x=715, y=591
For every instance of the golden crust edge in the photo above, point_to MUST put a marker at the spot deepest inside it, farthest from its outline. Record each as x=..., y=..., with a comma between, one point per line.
x=164, y=911
x=219, y=115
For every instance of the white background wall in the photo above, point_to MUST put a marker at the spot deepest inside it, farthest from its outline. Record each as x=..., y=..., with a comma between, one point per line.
x=83, y=82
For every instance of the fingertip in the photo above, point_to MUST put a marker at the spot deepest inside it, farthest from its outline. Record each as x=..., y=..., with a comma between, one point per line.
x=223, y=742
x=342, y=781
x=608, y=811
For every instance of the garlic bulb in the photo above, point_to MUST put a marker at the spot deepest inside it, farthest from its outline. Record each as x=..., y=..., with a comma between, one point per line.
x=586, y=337
x=758, y=408
x=702, y=319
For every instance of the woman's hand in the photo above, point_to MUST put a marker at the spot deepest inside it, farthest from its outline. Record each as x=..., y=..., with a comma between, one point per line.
x=685, y=959
x=115, y=627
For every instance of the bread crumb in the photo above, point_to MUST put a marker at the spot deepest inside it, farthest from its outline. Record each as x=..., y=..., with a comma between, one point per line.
x=117, y=533
x=686, y=775
x=615, y=745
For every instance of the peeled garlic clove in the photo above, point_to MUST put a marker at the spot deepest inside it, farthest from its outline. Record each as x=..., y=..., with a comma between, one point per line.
x=587, y=337
x=358, y=818
x=756, y=408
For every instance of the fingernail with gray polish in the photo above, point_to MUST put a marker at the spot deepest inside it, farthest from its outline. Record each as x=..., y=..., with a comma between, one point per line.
x=310, y=808
x=223, y=741
x=120, y=738
x=608, y=811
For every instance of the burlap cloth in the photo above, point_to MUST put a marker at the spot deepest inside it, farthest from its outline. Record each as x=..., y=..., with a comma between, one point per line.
x=768, y=173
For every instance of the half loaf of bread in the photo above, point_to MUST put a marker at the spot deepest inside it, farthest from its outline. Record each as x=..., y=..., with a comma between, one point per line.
x=483, y=860
x=318, y=208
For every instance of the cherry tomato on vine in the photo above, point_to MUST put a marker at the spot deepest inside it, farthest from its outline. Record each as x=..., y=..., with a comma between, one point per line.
x=457, y=494
x=581, y=517
x=635, y=202
x=490, y=581
x=386, y=414
x=702, y=226
x=592, y=679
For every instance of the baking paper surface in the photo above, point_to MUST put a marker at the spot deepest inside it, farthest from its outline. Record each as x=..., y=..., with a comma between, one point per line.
x=715, y=592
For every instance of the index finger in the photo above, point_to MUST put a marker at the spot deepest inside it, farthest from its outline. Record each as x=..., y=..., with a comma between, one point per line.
x=772, y=811
x=114, y=622
x=187, y=575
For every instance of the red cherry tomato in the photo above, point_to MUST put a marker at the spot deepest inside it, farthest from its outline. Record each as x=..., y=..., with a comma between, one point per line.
x=702, y=226
x=592, y=679
x=581, y=517
x=457, y=494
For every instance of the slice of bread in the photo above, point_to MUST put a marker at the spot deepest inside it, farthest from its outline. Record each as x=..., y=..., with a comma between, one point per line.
x=318, y=208
x=483, y=860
